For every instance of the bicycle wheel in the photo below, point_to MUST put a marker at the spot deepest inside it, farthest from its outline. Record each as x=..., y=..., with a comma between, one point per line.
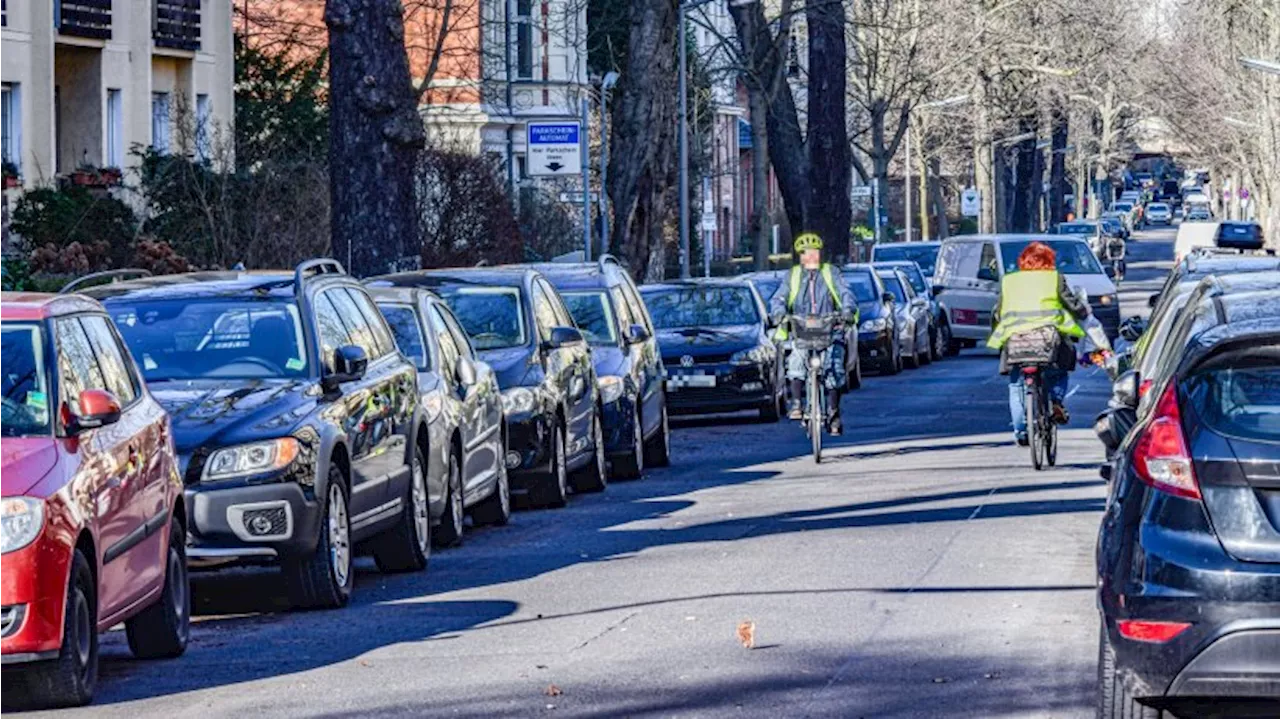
x=1051, y=443
x=815, y=414
x=1035, y=439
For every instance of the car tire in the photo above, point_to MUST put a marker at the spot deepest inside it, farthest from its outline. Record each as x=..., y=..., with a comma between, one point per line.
x=769, y=411
x=449, y=532
x=495, y=510
x=595, y=476
x=70, y=679
x=940, y=341
x=554, y=489
x=407, y=546
x=658, y=449
x=912, y=361
x=925, y=357
x=162, y=630
x=318, y=581
x=1114, y=699
x=631, y=465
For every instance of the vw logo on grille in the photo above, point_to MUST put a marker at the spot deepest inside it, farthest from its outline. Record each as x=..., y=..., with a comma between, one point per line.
x=686, y=361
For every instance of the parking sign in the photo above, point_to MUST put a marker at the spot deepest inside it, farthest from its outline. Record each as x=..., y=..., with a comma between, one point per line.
x=554, y=148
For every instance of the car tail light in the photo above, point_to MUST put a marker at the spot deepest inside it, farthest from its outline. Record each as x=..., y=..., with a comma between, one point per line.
x=1160, y=455
x=1143, y=387
x=1155, y=632
x=964, y=317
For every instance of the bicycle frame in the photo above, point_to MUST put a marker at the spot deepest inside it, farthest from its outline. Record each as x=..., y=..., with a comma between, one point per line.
x=1042, y=432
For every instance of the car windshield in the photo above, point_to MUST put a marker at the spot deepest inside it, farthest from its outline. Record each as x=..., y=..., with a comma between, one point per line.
x=493, y=316
x=892, y=284
x=593, y=313
x=1073, y=256
x=1158, y=207
x=1122, y=206
x=199, y=338
x=861, y=285
x=1075, y=229
x=1242, y=402
x=914, y=277
x=701, y=307
x=926, y=256
x=26, y=388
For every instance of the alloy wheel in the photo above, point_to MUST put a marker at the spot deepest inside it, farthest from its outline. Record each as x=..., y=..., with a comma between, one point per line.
x=339, y=536
x=83, y=628
x=421, y=510
x=177, y=578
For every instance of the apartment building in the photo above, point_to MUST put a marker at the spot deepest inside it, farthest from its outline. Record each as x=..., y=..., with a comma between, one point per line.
x=85, y=81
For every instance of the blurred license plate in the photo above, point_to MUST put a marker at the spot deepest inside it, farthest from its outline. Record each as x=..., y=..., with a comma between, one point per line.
x=677, y=381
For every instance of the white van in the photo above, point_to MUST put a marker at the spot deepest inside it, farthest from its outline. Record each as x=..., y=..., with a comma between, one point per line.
x=1192, y=235
x=970, y=268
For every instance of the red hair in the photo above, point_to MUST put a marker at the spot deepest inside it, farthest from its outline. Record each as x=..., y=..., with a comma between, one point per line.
x=1036, y=256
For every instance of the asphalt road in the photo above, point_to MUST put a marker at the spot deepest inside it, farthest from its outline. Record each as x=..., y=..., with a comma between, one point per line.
x=924, y=569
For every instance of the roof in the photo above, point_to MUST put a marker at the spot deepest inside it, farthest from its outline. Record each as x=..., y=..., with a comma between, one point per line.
x=512, y=276
x=1010, y=238
x=1200, y=265
x=19, y=306
x=913, y=243
x=569, y=276
x=265, y=283
x=894, y=264
x=407, y=295
x=738, y=281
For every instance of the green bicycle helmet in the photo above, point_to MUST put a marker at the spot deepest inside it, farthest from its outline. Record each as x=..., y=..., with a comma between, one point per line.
x=806, y=241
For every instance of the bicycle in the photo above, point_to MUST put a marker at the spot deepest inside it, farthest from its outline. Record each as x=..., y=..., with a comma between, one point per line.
x=1042, y=430
x=814, y=336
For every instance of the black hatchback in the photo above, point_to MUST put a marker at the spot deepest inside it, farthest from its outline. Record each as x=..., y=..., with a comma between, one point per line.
x=1189, y=546
x=608, y=310
x=295, y=418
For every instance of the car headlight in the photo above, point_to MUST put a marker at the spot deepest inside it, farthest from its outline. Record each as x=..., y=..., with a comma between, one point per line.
x=517, y=400
x=611, y=389
x=252, y=458
x=874, y=325
x=22, y=520
x=1107, y=299
x=755, y=355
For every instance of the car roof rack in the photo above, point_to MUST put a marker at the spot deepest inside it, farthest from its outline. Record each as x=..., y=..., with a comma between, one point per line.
x=113, y=275
x=607, y=259
x=319, y=266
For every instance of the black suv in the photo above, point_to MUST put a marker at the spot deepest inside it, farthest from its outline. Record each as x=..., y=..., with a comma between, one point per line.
x=295, y=418
x=521, y=328
x=608, y=310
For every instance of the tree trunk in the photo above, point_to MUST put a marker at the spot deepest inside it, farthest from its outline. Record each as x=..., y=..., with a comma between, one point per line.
x=829, y=210
x=374, y=137
x=1027, y=180
x=640, y=153
x=938, y=200
x=1058, y=169
x=983, y=172
x=760, y=179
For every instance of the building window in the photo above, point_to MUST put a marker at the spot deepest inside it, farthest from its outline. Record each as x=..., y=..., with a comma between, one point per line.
x=11, y=110
x=204, y=118
x=524, y=39
x=115, y=127
x=160, y=121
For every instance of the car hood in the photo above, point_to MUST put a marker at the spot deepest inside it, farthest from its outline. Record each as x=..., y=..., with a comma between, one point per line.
x=221, y=412
x=869, y=310
x=510, y=365
x=700, y=341
x=25, y=461
x=609, y=360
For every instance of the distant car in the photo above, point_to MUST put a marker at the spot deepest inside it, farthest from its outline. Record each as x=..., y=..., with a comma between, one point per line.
x=1090, y=231
x=606, y=306
x=1130, y=208
x=295, y=417
x=879, y=339
x=924, y=254
x=1113, y=227
x=94, y=517
x=1198, y=213
x=1125, y=219
x=519, y=325
x=914, y=318
x=939, y=324
x=1159, y=213
x=716, y=348
x=466, y=433
x=1236, y=235
x=1188, y=550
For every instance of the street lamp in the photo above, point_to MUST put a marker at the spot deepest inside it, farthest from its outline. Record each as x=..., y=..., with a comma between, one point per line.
x=1261, y=65
x=685, y=7
x=906, y=186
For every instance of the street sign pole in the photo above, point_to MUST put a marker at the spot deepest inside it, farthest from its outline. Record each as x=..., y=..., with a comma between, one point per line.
x=586, y=180
x=875, y=194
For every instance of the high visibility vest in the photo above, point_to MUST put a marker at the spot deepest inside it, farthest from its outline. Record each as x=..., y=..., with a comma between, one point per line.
x=793, y=293
x=1029, y=299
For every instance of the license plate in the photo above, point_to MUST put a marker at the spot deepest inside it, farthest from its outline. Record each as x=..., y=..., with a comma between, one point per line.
x=677, y=381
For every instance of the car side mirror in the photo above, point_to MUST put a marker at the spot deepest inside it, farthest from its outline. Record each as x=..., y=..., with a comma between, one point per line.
x=349, y=364
x=1133, y=328
x=466, y=371
x=887, y=297
x=1153, y=300
x=1124, y=392
x=563, y=337
x=98, y=408
x=637, y=334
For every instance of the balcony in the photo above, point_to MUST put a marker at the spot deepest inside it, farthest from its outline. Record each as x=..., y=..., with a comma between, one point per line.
x=175, y=24
x=83, y=18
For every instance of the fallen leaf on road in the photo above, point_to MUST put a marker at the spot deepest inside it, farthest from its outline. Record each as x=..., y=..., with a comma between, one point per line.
x=992, y=675
x=553, y=691
x=941, y=680
x=747, y=634
x=363, y=663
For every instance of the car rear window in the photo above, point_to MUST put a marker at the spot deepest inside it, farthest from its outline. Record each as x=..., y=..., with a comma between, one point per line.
x=861, y=285
x=1242, y=402
x=926, y=256
x=26, y=391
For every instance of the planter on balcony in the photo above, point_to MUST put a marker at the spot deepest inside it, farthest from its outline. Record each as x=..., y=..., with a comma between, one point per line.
x=12, y=181
x=96, y=177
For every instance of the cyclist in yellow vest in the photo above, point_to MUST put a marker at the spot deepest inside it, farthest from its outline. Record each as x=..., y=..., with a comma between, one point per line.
x=1036, y=296
x=814, y=288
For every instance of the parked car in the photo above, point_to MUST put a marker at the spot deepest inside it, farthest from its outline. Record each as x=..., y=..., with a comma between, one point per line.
x=93, y=512
x=766, y=282
x=1125, y=219
x=1129, y=208
x=939, y=325
x=1242, y=236
x=296, y=420
x=716, y=349
x=970, y=268
x=466, y=442
x=1189, y=546
x=1114, y=227
x=521, y=328
x=924, y=254
x=1090, y=231
x=606, y=306
x=879, y=339
x=913, y=315
x=1159, y=213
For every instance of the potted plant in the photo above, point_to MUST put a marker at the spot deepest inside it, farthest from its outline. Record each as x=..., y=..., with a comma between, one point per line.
x=110, y=176
x=11, y=176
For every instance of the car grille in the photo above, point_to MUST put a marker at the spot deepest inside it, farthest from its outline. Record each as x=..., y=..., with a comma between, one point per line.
x=10, y=619
x=674, y=361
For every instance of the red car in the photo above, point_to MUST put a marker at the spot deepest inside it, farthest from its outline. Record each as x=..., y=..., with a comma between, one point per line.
x=92, y=498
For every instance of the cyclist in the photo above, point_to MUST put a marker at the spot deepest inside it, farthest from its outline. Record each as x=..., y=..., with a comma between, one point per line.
x=814, y=289
x=1037, y=296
